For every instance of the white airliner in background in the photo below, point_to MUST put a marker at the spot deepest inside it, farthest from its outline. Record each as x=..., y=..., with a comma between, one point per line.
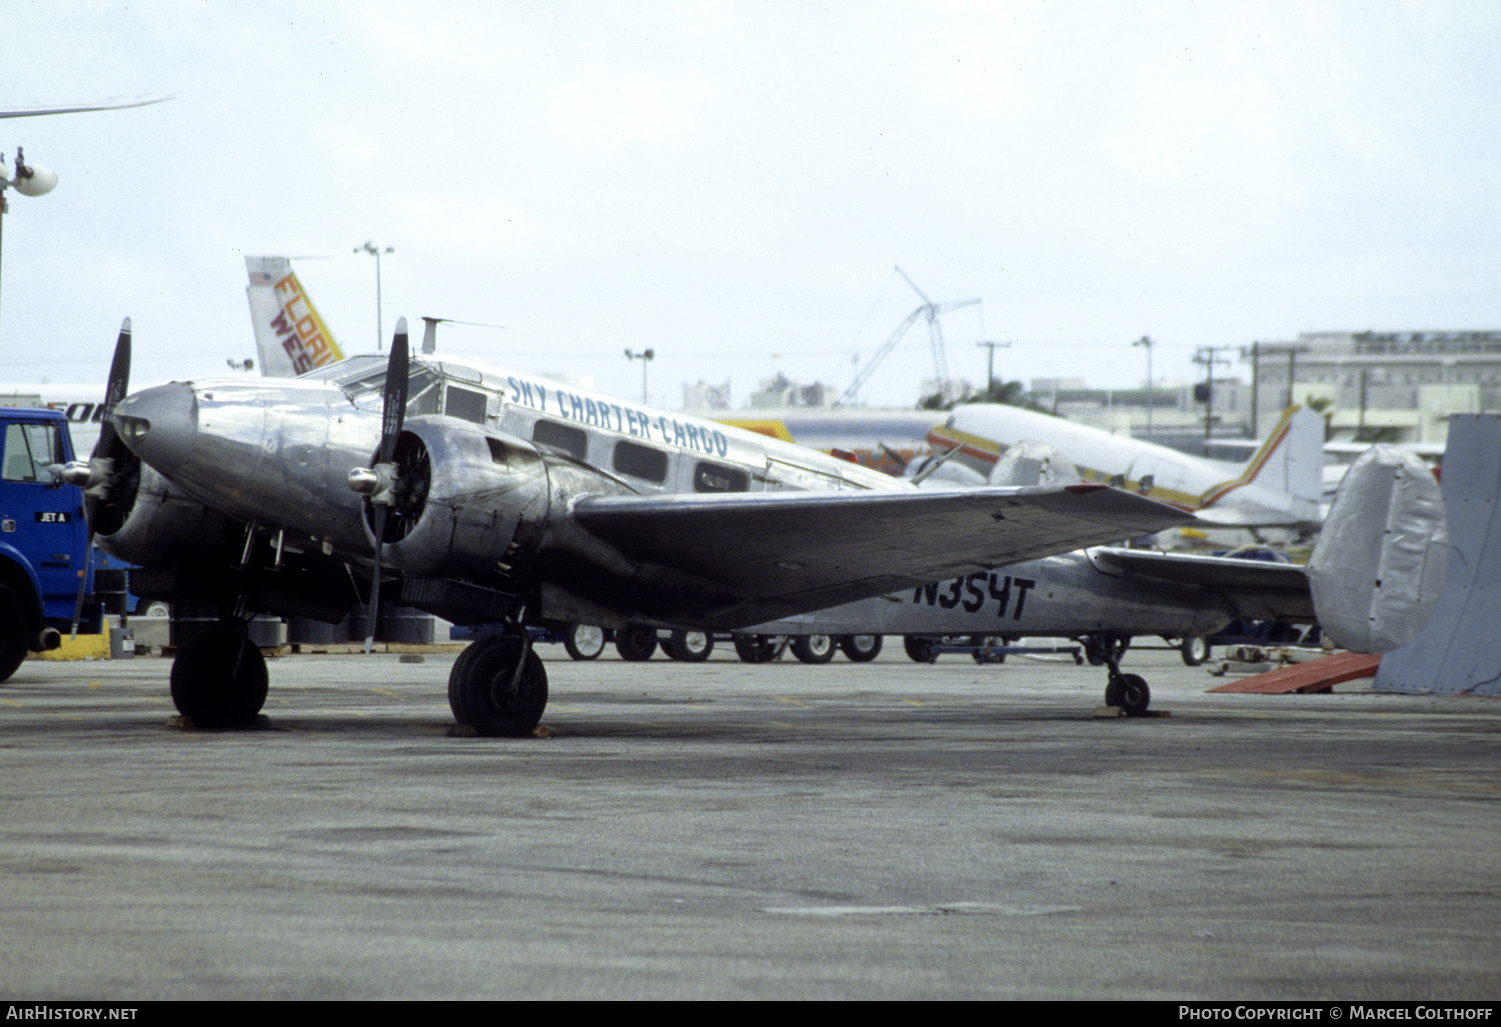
x=1280, y=486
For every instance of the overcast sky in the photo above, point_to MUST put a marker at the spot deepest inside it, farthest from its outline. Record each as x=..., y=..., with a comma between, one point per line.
x=732, y=184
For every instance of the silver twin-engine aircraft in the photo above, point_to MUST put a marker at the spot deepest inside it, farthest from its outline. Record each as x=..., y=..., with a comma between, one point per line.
x=485, y=497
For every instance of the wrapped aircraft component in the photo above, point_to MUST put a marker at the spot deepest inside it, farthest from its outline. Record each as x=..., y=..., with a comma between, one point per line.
x=1378, y=568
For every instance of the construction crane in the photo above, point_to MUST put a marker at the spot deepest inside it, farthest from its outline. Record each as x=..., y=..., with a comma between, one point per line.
x=929, y=310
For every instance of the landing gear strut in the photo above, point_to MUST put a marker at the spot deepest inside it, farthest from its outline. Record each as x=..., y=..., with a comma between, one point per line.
x=1127, y=692
x=219, y=679
x=498, y=686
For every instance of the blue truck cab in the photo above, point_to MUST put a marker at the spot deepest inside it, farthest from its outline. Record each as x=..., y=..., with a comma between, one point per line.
x=43, y=538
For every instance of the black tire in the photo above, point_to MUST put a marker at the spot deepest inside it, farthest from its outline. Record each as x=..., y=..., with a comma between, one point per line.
x=1129, y=693
x=689, y=646
x=814, y=648
x=758, y=648
x=19, y=627
x=861, y=648
x=219, y=679
x=636, y=644
x=982, y=644
x=1195, y=650
x=919, y=649
x=480, y=692
x=584, y=641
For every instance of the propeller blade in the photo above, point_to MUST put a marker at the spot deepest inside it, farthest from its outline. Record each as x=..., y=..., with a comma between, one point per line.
x=114, y=391
x=394, y=404
x=373, y=616
x=393, y=415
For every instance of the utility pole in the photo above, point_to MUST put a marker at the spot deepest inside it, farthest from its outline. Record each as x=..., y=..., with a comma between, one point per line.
x=990, y=364
x=1206, y=356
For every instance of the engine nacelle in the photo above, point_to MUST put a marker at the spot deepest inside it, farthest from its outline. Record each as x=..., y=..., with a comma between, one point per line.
x=161, y=526
x=466, y=502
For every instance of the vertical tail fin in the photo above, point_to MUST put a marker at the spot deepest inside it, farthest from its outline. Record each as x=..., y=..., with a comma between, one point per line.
x=290, y=336
x=1292, y=458
x=1290, y=461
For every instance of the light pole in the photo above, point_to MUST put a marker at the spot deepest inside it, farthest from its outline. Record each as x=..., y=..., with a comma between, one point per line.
x=375, y=251
x=645, y=356
x=1147, y=342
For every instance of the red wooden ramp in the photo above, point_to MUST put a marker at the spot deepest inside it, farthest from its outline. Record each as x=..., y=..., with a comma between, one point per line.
x=1314, y=676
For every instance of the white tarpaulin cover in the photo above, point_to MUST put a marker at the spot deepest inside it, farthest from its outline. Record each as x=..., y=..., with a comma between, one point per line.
x=1376, y=587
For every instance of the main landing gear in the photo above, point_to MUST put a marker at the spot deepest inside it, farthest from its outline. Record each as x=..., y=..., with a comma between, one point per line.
x=498, y=686
x=1127, y=692
x=219, y=679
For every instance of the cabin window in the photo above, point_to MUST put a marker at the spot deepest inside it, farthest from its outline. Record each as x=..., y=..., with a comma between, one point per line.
x=641, y=462
x=709, y=477
x=465, y=404
x=562, y=437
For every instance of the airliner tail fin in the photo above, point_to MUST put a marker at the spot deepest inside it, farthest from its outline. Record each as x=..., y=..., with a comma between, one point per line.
x=290, y=336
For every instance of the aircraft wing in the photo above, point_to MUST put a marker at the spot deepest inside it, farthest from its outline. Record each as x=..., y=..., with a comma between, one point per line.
x=1253, y=589
x=733, y=560
x=39, y=109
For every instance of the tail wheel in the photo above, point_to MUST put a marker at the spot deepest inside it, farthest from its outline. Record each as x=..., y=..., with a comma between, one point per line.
x=689, y=646
x=860, y=648
x=1194, y=650
x=1129, y=693
x=813, y=648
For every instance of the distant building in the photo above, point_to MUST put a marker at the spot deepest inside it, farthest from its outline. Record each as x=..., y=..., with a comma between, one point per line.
x=1172, y=414
x=1400, y=386
x=703, y=396
x=782, y=391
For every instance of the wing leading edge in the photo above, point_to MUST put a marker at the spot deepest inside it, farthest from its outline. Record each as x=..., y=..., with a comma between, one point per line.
x=734, y=560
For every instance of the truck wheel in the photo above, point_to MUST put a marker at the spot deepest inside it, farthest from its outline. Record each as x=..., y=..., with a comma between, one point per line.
x=860, y=648
x=758, y=648
x=689, y=646
x=636, y=644
x=17, y=629
x=813, y=648
x=919, y=649
x=584, y=641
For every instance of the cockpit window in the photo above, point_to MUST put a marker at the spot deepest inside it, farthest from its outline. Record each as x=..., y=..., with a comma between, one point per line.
x=29, y=450
x=361, y=376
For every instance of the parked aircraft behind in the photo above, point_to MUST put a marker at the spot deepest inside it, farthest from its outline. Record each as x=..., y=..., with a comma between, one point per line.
x=886, y=440
x=1372, y=583
x=1280, y=486
x=290, y=337
x=485, y=497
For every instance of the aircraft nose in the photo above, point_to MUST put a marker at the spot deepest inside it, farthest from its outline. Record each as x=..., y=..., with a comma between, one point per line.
x=159, y=424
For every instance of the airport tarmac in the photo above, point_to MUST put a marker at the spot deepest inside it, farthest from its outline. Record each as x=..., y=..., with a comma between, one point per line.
x=719, y=830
